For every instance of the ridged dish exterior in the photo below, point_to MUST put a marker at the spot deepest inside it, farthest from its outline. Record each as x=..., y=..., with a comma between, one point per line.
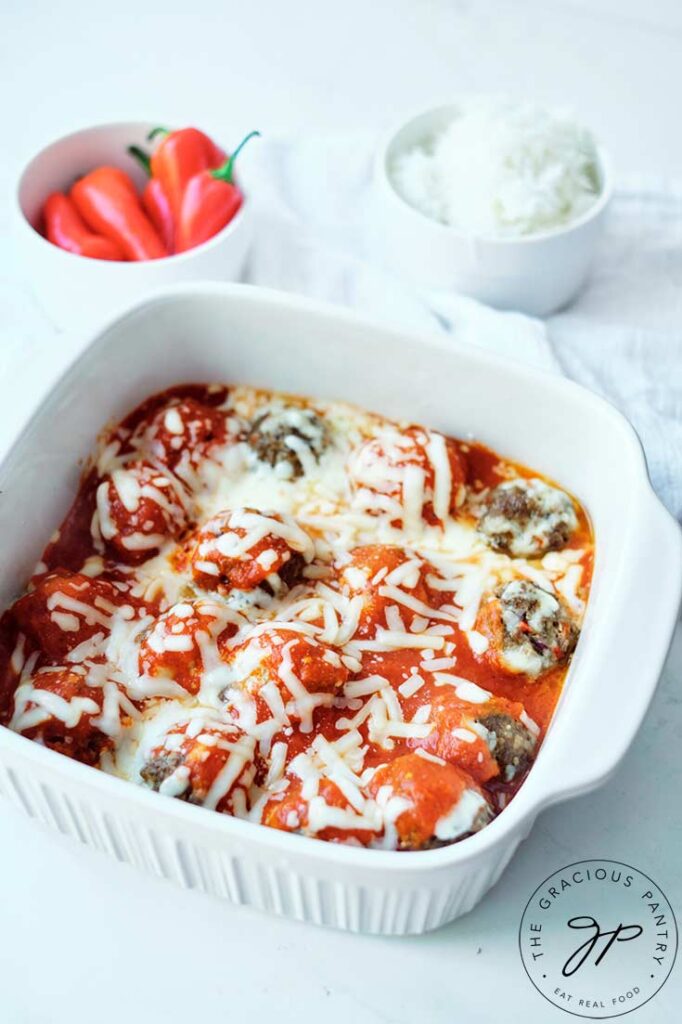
x=249, y=335
x=246, y=873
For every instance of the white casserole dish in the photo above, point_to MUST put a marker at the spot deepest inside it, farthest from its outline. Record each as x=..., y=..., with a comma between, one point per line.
x=246, y=335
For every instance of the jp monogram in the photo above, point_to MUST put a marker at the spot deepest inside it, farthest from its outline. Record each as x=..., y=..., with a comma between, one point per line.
x=598, y=938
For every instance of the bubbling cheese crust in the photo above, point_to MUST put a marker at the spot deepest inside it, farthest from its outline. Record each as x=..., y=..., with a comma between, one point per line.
x=293, y=612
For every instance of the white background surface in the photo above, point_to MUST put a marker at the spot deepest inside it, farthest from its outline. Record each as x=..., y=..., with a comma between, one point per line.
x=83, y=939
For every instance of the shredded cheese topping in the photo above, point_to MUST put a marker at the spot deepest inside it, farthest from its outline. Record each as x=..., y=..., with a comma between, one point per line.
x=361, y=604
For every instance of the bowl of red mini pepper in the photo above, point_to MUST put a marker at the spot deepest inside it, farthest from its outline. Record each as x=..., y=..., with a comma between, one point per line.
x=108, y=214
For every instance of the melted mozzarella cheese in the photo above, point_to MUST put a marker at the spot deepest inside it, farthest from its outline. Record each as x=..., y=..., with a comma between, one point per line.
x=462, y=818
x=348, y=495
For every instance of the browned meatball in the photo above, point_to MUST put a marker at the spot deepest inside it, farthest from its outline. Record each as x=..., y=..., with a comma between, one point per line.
x=529, y=630
x=511, y=743
x=288, y=438
x=526, y=518
x=443, y=804
x=159, y=767
x=189, y=760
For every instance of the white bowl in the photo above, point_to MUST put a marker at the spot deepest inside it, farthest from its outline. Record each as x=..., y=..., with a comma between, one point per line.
x=78, y=293
x=249, y=335
x=536, y=274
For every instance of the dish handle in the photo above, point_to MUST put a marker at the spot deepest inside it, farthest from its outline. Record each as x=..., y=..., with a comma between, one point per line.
x=583, y=748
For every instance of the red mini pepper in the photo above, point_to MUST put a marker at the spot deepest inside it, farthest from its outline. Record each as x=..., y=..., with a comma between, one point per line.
x=210, y=202
x=65, y=227
x=180, y=156
x=107, y=201
x=156, y=204
x=155, y=201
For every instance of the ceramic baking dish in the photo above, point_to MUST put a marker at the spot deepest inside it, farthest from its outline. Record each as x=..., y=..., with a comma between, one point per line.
x=240, y=334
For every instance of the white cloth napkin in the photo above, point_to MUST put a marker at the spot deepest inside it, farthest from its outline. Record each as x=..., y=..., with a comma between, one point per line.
x=621, y=338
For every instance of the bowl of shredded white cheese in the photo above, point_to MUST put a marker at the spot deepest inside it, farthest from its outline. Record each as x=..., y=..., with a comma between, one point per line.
x=500, y=200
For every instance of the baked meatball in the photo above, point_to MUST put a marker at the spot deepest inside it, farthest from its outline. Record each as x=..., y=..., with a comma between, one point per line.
x=485, y=740
x=434, y=803
x=526, y=518
x=240, y=548
x=66, y=609
x=202, y=761
x=58, y=708
x=371, y=571
x=413, y=476
x=287, y=672
x=139, y=508
x=529, y=630
x=511, y=743
x=327, y=814
x=184, y=431
x=185, y=641
x=290, y=438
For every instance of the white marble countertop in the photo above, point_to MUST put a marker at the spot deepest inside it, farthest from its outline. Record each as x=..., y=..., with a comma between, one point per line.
x=83, y=938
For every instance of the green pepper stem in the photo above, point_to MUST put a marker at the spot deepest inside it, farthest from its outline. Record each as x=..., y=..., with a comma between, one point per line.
x=224, y=173
x=157, y=131
x=142, y=158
